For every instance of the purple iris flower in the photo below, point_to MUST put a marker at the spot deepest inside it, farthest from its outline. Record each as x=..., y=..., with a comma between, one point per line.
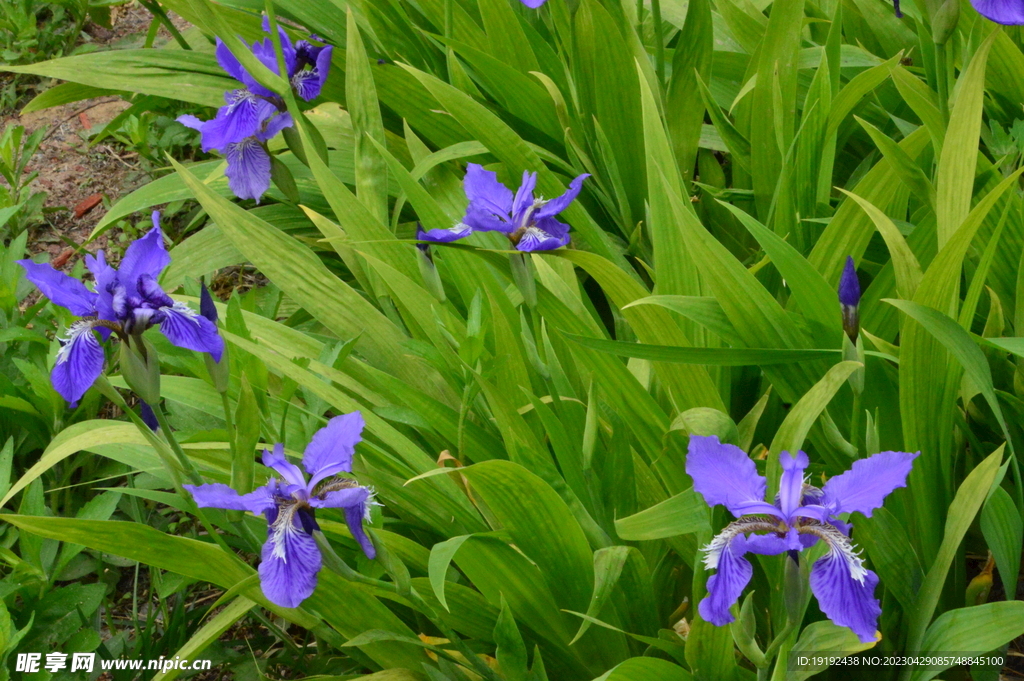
x=252, y=114
x=127, y=301
x=533, y=4
x=849, y=299
x=529, y=223
x=291, y=558
x=800, y=517
x=1005, y=12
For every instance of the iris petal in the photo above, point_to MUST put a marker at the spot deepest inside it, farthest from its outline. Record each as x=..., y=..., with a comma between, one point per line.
x=724, y=474
x=60, y=288
x=792, y=483
x=485, y=192
x=354, y=517
x=144, y=256
x=869, y=481
x=291, y=561
x=290, y=472
x=1005, y=12
x=248, y=169
x=726, y=585
x=558, y=204
x=191, y=331
x=331, y=450
x=79, y=363
x=847, y=601
x=217, y=495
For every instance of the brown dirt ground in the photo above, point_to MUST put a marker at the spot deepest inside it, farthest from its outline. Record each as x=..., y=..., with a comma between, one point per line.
x=69, y=170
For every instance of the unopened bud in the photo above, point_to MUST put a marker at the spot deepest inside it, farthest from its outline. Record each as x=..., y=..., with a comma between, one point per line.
x=140, y=367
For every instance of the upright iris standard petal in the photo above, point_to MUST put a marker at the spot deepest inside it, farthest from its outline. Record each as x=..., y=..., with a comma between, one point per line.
x=869, y=481
x=291, y=561
x=845, y=599
x=248, y=169
x=191, y=331
x=147, y=255
x=523, y=200
x=332, y=448
x=1005, y=12
x=229, y=62
x=286, y=469
x=791, y=484
x=61, y=289
x=106, y=278
x=724, y=474
x=79, y=363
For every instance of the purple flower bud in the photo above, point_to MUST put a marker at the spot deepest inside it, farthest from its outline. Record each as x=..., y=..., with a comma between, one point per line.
x=206, y=307
x=148, y=417
x=849, y=299
x=849, y=285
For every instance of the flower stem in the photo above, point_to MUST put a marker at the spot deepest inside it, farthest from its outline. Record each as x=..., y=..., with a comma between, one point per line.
x=186, y=464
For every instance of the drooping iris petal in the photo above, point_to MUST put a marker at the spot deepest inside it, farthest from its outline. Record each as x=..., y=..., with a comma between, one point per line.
x=1005, y=12
x=724, y=474
x=444, y=236
x=354, y=517
x=217, y=495
x=792, y=483
x=144, y=256
x=523, y=200
x=276, y=459
x=79, y=363
x=869, y=481
x=291, y=561
x=248, y=169
x=191, y=331
x=536, y=239
x=60, y=288
x=331, y=450
x=846, y=600
x=485, y=192
x=560, y=203
x=309, y=83
x=726, y=585
x=229, y=62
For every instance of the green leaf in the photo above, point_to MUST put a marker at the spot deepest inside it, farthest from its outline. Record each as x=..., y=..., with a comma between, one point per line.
x=361, y=100
x=646, y=669
x=511, y=651
x=684, y=513
x=904, y=262
x=977, y=629
x=965, y=506
x=208, y=633
x=1003, y=531
x=892, y=555
x=824, y=638
x=707, y=356
x=437, y=568
x=954, y=183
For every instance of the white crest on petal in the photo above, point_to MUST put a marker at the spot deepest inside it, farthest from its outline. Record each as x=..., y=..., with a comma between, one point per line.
x=281, y=528
x=713, y=551
x=840, y=547
x=184, y=309
x=73, y=332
